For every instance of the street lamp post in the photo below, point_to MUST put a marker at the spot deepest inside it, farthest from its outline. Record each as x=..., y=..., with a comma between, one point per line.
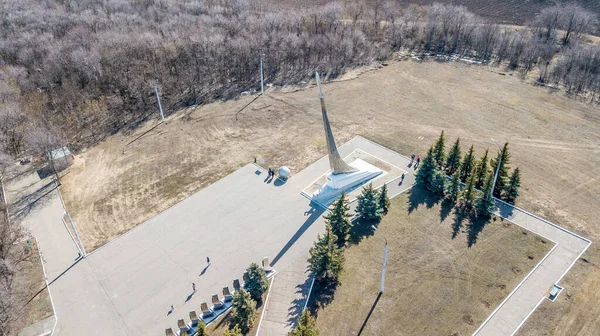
x=385, y=250
x=497, y=167
x=262, y=87
x=162, y=116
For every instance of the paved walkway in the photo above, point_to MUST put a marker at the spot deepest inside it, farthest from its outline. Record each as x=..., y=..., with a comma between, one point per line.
x=287, y=297
x=518, y=306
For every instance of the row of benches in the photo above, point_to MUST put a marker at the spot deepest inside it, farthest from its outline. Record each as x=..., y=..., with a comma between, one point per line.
x=219, y=306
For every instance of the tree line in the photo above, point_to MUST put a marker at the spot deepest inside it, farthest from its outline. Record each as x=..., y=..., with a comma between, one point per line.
x=483, y=179
x=86, y=69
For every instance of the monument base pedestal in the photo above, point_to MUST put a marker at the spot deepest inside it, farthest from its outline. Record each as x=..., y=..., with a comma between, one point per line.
x=336, y=183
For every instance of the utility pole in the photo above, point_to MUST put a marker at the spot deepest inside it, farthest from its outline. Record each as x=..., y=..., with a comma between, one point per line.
x=162, y=116
x=385, y=250
x=497, y=167
x=262, y=86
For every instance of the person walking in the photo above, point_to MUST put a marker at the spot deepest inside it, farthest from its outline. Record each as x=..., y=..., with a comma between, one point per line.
x=194, y=287
x=208, y=261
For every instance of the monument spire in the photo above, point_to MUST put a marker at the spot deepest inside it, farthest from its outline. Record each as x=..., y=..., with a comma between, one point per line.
x=336, y=163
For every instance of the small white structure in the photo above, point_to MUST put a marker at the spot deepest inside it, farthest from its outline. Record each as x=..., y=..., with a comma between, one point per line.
x=284, y=173
x=61, y=158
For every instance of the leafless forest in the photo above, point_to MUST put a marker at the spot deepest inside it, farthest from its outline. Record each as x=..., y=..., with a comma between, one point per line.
x=84, y=69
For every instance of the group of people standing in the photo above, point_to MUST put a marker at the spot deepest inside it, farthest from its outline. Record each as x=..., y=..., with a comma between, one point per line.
x=414, y=160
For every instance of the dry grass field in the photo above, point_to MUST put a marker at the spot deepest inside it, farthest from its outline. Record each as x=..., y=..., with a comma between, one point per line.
x=31, y=290
x=555, y=140
x=435, y=284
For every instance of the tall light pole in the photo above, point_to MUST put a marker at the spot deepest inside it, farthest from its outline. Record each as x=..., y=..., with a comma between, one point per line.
x=162, y=116
x=385, y=250
x=497, y=167
x=262, y=87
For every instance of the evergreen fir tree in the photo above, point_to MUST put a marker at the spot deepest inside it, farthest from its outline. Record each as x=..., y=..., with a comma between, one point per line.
x=367, y=206
x=326, y=258
x=438, y=182
x=503, y=172
x=439, y=150
x=338, y=219
x=244, y=312
x=453, y=160
x=511, y=191
x=235, y=331
x=383, y=201
x=453, y=191
x=256, y=283
x=485, y=205
x=467, y=165
x=468, y=195
x=307, y=326
x=427, y=170
x=201, y=331
x=482, y=171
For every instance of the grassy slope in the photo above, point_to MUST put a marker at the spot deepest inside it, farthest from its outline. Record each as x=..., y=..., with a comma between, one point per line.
x=435, y=284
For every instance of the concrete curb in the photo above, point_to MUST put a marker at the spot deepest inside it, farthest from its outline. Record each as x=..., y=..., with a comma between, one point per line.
x=49, y=292
x=262, y=315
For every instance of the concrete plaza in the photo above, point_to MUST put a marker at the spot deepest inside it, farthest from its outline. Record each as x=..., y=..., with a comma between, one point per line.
x=128, y=286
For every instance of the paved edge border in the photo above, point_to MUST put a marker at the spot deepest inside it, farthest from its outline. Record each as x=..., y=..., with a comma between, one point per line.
x=47, y=287
x=545, y=297
x=262, y=314
x=589, y=242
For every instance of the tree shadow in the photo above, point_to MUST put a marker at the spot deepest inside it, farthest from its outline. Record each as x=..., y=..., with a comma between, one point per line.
x=505, y=211
x=297, y=305
x=446, y=209
x=418, y=196
x=457, y=224
x=361, y=228
x=369, y=315
x=475, y=226
x=27, y=203
x=322, y=295
x=315, y=212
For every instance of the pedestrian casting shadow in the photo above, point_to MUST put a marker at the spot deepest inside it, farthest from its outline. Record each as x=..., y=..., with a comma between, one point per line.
x=369, y=315
x=204, y=270
x=189, y=297
x=297, y=305
x=315, y=212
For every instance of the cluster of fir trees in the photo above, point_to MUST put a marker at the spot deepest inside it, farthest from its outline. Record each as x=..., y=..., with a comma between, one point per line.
x=477, y=175
x=327, y=255
x=244, y=301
